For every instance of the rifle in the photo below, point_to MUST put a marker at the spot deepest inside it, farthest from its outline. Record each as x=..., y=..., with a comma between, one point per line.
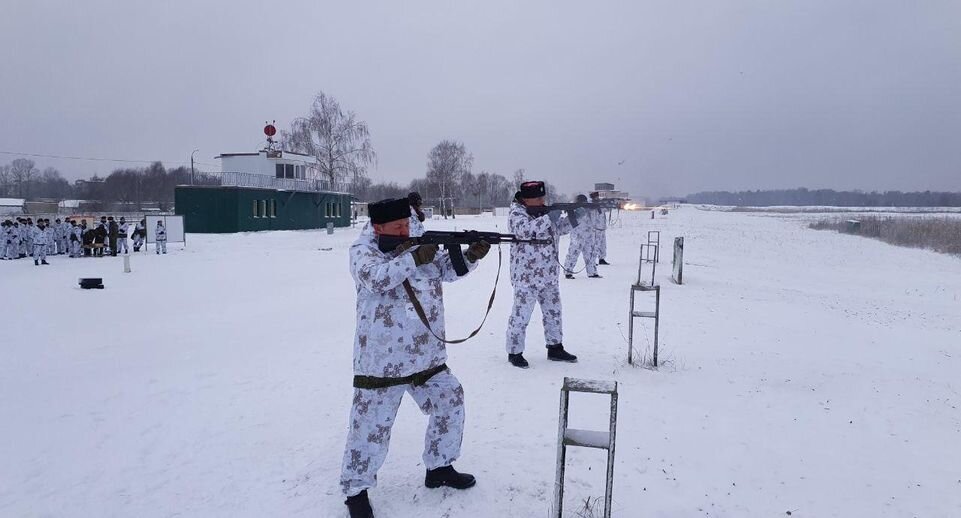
x=537, y=211
x=452, y=242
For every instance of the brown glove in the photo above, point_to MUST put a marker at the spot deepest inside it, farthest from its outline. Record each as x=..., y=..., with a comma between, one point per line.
x=477, y=251
x=425, y=254
x=403, y=246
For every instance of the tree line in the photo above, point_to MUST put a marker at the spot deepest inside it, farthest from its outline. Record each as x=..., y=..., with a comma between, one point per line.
x=340, y=141
x=336, y=137
x=124, y=187
x=828, y=198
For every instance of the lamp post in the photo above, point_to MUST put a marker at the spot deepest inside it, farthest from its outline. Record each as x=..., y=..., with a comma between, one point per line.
x=192, y=166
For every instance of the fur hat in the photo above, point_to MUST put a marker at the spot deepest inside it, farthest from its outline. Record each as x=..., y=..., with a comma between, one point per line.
x=532, y=190
x=389, y=210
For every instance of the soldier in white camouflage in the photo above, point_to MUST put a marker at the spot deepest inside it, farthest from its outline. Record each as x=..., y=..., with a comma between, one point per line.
x=395, y=352
x=600, y=230
x=417, y=215
x=534, y=274
x=582, y=242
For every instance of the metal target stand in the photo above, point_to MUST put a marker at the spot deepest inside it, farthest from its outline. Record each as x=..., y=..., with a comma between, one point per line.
x=649, y=255
x=585, y=438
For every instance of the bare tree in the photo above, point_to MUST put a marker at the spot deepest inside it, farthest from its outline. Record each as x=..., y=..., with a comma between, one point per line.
x=5, y=182
x=23, y=171
x=338, y=139
x=519, y=177
x=447, y=162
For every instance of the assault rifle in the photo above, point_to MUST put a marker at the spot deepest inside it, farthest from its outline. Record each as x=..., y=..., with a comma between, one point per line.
x=452, y=242
x=537, y=211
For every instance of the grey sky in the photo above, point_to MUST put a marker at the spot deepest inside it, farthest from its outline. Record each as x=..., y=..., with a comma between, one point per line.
x=690, y=95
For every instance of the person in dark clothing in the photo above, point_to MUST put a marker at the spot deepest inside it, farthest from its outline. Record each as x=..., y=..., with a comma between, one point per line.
x=113, y=230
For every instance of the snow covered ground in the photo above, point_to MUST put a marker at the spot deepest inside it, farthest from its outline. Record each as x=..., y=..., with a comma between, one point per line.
x=806, y=371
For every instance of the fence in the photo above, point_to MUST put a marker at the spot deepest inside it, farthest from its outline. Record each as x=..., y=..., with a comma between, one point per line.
x=263, y=181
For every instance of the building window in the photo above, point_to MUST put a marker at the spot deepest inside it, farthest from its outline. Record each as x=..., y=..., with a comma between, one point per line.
x=327, y=210
x=262, y=208
x=336, y=210
x=255, y=208
x=273, y=208
x=279, y=170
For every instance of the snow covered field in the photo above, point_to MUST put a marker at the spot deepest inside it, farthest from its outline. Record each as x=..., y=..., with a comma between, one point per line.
x=809, y=372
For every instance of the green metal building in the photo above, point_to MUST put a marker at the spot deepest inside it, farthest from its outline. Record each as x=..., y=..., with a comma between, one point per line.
x=225, y=209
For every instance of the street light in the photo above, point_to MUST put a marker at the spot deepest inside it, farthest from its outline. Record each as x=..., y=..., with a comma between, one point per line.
x=192, y=166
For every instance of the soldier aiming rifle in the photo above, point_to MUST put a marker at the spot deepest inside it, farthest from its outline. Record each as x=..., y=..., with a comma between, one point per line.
x=396, y=352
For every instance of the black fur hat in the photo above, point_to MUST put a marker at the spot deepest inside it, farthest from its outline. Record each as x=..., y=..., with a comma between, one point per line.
x=389, y=210
x=415, y=199
x=532, y=190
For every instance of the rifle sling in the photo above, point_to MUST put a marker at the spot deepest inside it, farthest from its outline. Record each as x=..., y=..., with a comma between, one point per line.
x=423, y=315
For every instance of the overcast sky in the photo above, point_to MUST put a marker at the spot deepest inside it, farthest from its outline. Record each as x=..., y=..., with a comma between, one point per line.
x=689, y=95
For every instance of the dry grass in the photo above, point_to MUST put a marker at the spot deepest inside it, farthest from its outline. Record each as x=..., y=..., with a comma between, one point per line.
x=938, y=234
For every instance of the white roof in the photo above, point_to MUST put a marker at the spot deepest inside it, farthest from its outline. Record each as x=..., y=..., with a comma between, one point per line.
x=12, y=202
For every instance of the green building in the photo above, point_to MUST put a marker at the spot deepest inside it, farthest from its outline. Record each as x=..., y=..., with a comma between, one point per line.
x=267, y=190
x=227, y=209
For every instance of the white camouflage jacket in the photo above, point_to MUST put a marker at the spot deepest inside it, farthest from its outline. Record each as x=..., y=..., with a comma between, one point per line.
x=41, y=236
x=534, y=266
x=390, y=339
x=416, y=227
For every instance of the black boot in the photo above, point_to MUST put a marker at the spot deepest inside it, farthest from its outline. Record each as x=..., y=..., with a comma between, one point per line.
x=595, y=276
x=36, y=263
x=569, y=275
x=558, y=354
x=359, y=506
x=605, y=263
x=44, y=262
x=448, y=476
x=517, y=360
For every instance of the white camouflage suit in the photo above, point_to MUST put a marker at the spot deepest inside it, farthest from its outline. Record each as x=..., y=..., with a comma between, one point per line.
x=416, y=227
x=599, y=218
x=13, y=247
x=122, y=237
x=392, y=342
x=582, y=243
x=160, y=238
x=534, y=272
x=41, y=240
x=76, y=241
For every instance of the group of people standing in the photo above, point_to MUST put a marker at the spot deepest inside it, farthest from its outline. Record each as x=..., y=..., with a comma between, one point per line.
x=399, y=343
x=21, y=238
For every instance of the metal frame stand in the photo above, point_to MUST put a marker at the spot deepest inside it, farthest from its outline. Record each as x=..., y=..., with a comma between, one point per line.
x=648, y=255
x=656, y=315
x=585, y=438
x=654, y=238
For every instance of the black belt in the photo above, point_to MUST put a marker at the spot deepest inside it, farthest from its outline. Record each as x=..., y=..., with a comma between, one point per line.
x=416, y=379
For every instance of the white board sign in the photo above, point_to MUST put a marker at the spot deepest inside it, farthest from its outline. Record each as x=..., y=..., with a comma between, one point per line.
x=174, y=225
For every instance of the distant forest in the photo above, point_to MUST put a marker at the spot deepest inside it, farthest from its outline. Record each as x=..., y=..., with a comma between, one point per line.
x=828, y=197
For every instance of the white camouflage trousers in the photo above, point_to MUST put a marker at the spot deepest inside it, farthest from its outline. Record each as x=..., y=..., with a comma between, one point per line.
x=601, y=245
x=577, y=248
x=372, y=416
x=549, y=298
x=122, y=245
x=39, y=252
x=162, y=246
